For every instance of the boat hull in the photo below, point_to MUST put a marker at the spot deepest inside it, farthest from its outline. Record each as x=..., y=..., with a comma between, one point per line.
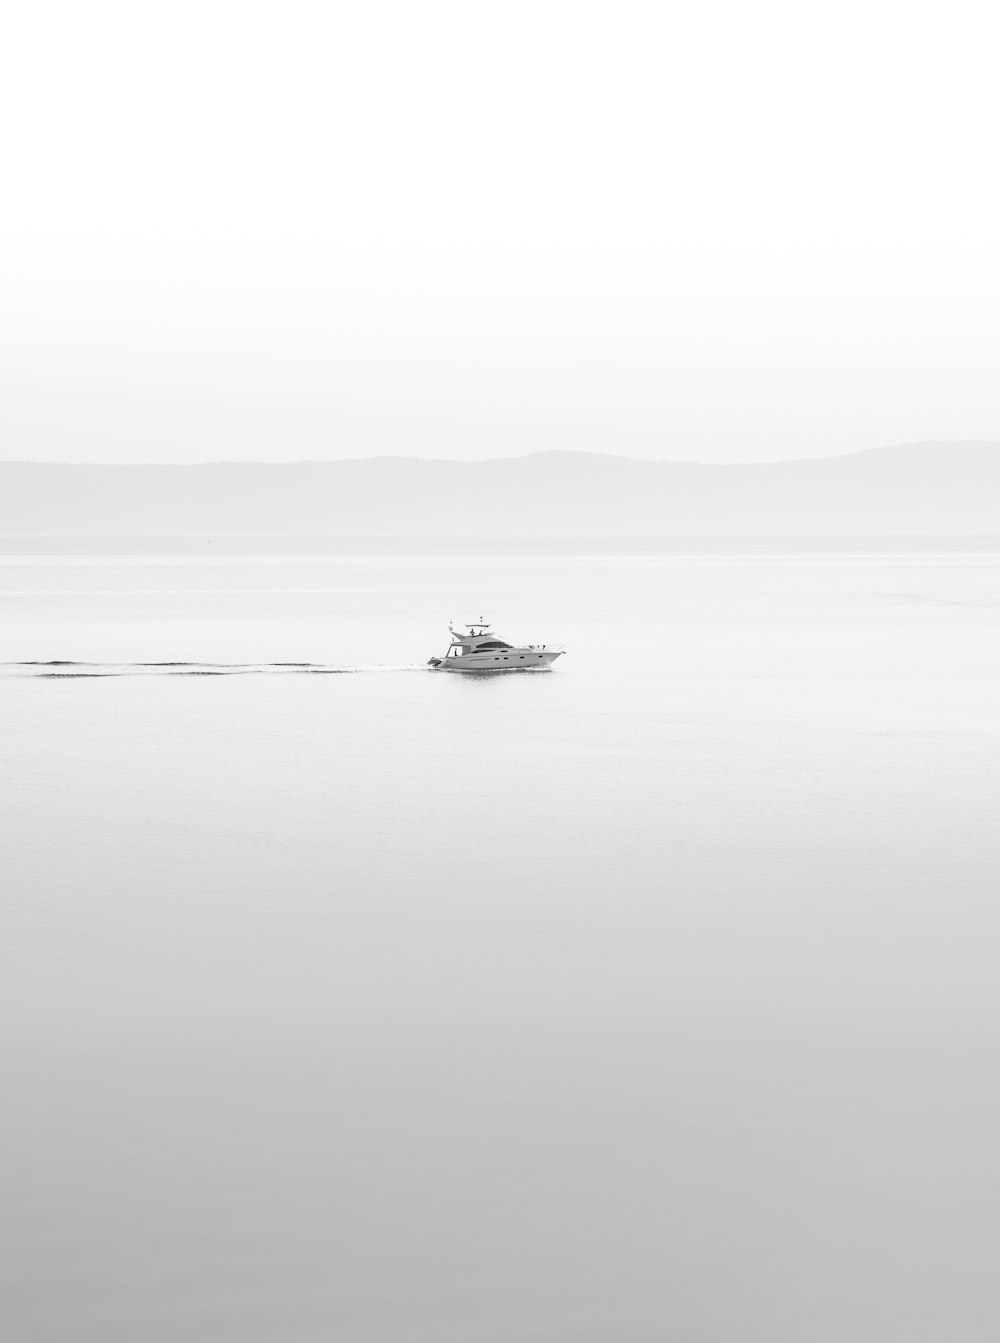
x=514, y=659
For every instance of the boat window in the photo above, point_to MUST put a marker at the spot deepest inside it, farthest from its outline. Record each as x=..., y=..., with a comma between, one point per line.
x=488, y=647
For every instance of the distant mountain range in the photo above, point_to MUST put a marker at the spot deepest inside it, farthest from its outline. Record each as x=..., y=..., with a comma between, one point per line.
x=919, y=488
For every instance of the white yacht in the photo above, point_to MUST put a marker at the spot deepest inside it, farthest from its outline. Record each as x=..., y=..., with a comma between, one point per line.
x=481, y=651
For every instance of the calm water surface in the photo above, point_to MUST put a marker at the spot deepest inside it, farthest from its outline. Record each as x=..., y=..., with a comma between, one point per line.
x=654, y=998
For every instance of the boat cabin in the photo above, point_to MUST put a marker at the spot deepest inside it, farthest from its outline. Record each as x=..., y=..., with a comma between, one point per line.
x=479, y=639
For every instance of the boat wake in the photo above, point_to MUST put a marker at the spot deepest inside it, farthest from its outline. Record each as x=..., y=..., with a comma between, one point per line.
x=60, y=670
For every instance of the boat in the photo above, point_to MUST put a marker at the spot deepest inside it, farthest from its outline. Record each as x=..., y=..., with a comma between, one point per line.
x=479, y=650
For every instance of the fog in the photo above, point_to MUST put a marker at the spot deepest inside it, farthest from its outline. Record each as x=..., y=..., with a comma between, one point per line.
x=245, y=232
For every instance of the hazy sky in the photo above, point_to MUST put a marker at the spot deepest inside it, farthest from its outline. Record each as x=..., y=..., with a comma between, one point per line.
x=712, y=231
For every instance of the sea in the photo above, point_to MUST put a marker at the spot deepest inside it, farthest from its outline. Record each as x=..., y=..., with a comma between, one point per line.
x=651, y=999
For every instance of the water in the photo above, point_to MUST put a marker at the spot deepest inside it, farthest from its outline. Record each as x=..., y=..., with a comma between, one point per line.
x=651, y=998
